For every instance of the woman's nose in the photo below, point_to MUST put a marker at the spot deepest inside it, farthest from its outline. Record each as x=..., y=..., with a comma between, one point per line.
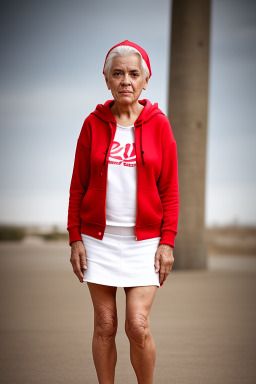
x=126, y=79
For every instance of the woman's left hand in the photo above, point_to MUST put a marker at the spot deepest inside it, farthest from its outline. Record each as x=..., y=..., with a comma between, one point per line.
x=164, y=261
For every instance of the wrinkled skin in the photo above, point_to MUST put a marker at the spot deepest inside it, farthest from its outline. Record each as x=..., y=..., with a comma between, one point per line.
x=164, y=261
x=78, y=259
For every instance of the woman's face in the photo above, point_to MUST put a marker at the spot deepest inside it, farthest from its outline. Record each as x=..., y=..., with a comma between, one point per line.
x=126, y=79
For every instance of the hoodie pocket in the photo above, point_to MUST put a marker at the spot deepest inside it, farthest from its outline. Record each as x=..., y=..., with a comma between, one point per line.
x=92, y=208
x=150, y=207
x=158, y=202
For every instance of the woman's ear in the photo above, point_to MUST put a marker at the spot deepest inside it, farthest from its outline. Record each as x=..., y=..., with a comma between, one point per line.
x=107, y=82
x=146, y=83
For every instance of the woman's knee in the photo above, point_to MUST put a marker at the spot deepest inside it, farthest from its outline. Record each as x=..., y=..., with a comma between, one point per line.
x=137, y=328
x=105, y=324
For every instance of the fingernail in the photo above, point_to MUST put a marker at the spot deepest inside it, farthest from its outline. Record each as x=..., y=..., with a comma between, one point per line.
x=161, y=284
x=84, y=267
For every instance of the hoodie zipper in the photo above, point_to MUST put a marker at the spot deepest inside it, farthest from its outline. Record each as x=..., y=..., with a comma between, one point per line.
x=137, y=203
x=106, y=165
x=137, y=210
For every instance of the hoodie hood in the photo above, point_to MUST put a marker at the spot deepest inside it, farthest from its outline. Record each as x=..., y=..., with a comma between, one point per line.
x=103, y=112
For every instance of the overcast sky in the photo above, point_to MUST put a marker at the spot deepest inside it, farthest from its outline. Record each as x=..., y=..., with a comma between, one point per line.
x=52, y=54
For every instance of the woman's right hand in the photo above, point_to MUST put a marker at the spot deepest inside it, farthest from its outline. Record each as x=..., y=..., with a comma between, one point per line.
x=78, y=258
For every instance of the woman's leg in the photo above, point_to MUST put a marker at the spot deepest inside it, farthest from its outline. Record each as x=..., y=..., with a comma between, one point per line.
x=105, y=328
x=137, y=327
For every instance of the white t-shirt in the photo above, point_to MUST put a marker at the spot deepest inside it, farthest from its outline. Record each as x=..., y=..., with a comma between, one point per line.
x=121, y=198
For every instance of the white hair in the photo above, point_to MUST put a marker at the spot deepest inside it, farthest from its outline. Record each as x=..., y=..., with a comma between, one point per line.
x=124, y=50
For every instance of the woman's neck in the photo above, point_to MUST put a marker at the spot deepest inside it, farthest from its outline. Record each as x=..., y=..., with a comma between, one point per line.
x=126, y=114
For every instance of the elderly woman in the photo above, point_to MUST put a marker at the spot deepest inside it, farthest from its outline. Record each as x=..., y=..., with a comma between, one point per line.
x=123, y=210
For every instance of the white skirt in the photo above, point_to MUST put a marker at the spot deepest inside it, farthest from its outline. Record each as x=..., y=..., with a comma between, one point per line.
x=119, y=260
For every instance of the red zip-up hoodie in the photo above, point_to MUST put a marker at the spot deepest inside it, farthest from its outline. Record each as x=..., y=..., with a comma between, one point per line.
x=157, y=175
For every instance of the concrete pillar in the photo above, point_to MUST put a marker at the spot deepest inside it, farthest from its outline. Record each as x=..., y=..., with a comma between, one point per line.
x=188, y=107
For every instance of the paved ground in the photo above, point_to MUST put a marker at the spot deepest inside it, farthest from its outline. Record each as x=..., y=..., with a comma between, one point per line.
x=203, y=322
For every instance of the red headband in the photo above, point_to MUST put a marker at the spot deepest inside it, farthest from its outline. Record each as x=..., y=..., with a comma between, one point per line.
x=141, y=50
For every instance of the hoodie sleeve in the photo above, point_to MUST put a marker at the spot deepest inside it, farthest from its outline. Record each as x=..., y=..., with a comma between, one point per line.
x=168, y=188
x=79, y=185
